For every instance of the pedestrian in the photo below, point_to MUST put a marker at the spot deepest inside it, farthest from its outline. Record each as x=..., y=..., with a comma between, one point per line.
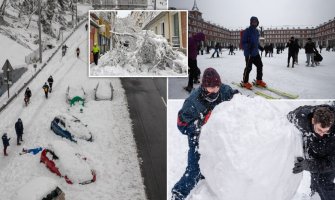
x=316, y=123
x=96, y=52
x=250, y=42
x=292, y=49
x=86, y=26
x=46, y=89
x=320, y=46
x=310, y=50
x=27, y=95
x=5, y=142
x=216, y=50
x=78, y=52
x=19, y=131
x=193, y=115
x=64, y=48
x=50, y=81
x=193, y=69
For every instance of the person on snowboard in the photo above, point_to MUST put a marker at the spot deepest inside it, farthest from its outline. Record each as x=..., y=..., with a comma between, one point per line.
x=46, y=89
x=50, y=81
x=250, y=43
x=316, y=123
x=193, y=115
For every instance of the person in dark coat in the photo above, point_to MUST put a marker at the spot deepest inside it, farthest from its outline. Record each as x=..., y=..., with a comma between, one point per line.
x=19, y=131
x=250, y=42
x=78, y=52
x=320, y=47
x=193, y=69
x=292, y=49
x=86, y=26
x=5, y=142
x=27, y=95
x=64, y=48
x=310, y=49
x=216, y=50
x=193, y=115
x=46, y=89
x=316, y=123
x=50, y=81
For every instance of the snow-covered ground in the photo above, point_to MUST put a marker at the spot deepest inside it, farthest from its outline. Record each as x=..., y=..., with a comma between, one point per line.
x=112, y=153
x=248, y=148
x=307, y=82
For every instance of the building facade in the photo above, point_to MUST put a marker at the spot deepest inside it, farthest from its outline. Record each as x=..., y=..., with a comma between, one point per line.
x=323, y=34
x=170, y=24
x=121, y=4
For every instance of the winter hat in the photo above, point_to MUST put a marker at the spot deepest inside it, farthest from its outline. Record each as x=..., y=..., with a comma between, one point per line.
x=252, y=19
x=19, y=119
x=211, y=78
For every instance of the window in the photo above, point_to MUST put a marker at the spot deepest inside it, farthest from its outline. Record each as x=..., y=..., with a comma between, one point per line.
x=163, y=29
x=176, y=24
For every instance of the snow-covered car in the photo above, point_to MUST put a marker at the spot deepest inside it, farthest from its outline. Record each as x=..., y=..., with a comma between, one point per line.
x=40, y=188
x=71, y=128
x=64, y=161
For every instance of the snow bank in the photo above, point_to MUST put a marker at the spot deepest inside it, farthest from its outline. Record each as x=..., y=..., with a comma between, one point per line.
x=104, y=91
x=75, y=126
x=70, y=164
x=35, y=189
x=248, y=149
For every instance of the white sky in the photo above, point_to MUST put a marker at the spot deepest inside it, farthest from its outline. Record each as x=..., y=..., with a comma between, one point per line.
x=123, y=13
x=237, y=13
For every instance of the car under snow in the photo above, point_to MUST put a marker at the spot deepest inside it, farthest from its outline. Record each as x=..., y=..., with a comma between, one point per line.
x=64, y=161
x=71, y=128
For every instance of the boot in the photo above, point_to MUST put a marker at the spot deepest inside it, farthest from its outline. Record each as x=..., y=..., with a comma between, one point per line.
x=260, y=83
x=247, y=85
x=188, y=89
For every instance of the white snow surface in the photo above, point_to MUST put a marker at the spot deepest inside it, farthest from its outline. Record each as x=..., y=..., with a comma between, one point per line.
x=35, y=189
x=69, y=164
x=104, y=91
x=77, y=129
x=148, y=54
x=307, y=82
x=113, y=153
x=247, y=148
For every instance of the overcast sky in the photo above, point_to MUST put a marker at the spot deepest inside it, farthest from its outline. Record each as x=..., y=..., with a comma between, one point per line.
x=237, y=13
x=123, y=13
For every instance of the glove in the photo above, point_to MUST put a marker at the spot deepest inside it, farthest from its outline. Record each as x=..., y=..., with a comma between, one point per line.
x=300, y=165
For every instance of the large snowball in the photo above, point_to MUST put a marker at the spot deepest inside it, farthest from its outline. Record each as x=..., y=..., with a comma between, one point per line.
x=248, y=149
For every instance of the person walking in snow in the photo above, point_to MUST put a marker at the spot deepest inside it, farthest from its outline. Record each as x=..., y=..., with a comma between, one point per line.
x=5, y=142
x=320, y=46
x=193, y=69
x=292, y=49
x=27, y=95
x=310, y=50
x=216, y=50
x=250, y=43
x=64, y=48
x=193, y=115
x=19, y=131
x=78, y=52
x=46, y=89
x=86, y=26
x=50, y=81
x=96, y=52
x=316, y=123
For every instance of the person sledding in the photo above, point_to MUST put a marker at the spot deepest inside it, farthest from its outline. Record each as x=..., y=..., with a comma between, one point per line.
x=250, y=43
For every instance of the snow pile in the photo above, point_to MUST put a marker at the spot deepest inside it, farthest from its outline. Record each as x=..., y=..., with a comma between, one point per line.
x=75, y=126
x=242, y=156
x=104, y=91
x=70, y=164
x=35, y=189
x=141, y=53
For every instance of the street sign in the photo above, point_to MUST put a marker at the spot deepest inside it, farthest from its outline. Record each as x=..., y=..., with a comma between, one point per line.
x=7, y=66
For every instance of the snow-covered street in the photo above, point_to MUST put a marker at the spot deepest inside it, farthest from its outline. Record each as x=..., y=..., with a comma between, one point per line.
x=112, y=154
x=244, y=154
x=307, y=82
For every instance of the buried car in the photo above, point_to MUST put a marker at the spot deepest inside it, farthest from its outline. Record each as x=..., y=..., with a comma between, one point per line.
x=71, y=128
x=41, y=188
x=64, y=161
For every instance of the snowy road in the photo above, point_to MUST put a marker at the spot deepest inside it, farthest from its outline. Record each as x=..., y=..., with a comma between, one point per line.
x=307, y=82
x=112, y=153
x=147, y=108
